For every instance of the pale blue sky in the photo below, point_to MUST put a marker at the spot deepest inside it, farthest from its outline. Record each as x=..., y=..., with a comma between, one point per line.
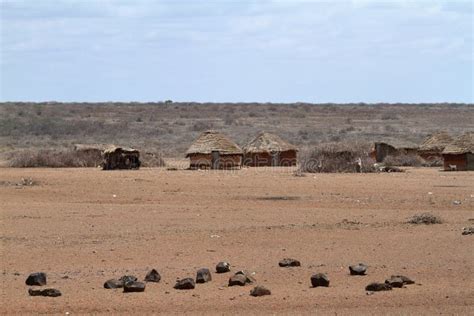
x=264, y=51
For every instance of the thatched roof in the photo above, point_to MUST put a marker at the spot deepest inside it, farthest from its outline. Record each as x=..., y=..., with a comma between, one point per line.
x=210, y=141
x=436, y=142
x=462, y=145
x=112, y=148
x=398, y=143
x=84, y=147
x=267, y=143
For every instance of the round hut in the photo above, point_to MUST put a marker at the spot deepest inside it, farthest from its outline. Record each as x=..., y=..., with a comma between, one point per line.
x=459, y=155
x=213, y=150
x=433, y=145
x=269, y=150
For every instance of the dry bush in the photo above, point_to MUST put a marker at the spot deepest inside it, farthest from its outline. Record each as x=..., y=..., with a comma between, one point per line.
x=425, y=218
x=152, y=160
x=404, y=160
x=53, y=159
x=433, y=162
x=339, y=157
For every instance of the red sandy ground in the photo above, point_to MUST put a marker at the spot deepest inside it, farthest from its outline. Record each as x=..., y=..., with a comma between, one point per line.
x=92, y=225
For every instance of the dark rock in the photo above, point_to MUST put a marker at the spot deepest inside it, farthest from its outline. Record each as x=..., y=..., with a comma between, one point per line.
x=128, y=278
x=405, y=279
x=203, y=275
x=248, y=276
x=45, y=292
x=113, y=284
x=358, y=269
x=319, y=279
x=222, y=267
x=374, y=287
x=468, y=231
x=133, y=286
x=260, y=291
x=185, y=284
x=394, y=282
x=238, y=279
x=153, y=276
x=38, y=278
x=288, y=262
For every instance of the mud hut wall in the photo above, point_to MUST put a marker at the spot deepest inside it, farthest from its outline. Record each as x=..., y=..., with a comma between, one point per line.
x=264, y=159
x=204, y=161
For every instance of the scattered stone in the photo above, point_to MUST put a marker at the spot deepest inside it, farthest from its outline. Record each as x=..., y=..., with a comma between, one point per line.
x=223, y=267
x=185, y=284
x=405, y=279
x=38, y=278
x=375, y=287
x=248, y=276
x=468, y=231
x=319, y=279
x=203, y=275
x=238, y=279
x=358, y=269
x=260, y=291
x=128, y=278
x=394, y=282
x=153, y=276
x=288, y=262
x=457, y=202
x=425, y=218
x=134, y=286
x=44, y=292
x=113, y=284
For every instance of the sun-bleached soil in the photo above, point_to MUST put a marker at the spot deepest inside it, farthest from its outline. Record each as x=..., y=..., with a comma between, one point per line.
x=85, y=226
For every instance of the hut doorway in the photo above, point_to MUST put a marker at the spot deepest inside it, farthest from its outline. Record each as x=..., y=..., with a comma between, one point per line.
x=275, y=158
x=215, y=157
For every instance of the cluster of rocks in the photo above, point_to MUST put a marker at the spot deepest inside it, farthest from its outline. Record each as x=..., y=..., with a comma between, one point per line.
x=130, y=283
x=39, y=279
x=395, y=281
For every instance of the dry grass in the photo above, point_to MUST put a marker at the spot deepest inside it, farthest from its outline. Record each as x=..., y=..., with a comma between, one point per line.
x=425, y=218
x=170, y=128
x=52, y=158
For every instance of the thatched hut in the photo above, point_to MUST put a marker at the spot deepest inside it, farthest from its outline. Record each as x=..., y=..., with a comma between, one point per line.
x=459, y=155
x=433, y=145
x=213, y=150
x=269, y=150
x=383, y=149
x=120, y=158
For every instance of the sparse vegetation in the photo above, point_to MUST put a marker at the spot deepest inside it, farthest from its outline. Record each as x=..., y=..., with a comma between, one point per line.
x=52, y=158
x=425, y=218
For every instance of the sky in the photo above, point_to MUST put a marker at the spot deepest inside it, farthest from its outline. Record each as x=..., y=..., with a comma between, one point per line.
x=237, y=51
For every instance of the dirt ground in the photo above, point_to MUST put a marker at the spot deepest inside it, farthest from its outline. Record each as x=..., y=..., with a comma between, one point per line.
x=85, y=226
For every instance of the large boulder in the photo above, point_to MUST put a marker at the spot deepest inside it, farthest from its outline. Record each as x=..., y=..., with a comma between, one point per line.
x=203, y=275
x=153, y=276
x=113, y=284
x=222, y=267
x=260, y=290
x=405, y=279
x=44, y=292
x=358, y=269
x=288, y=262
x=319, y=279
x=185, y=284
x=37, y=278
x=238, y=279
x=394, y=282
x=375, y=287
x=133, y=286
